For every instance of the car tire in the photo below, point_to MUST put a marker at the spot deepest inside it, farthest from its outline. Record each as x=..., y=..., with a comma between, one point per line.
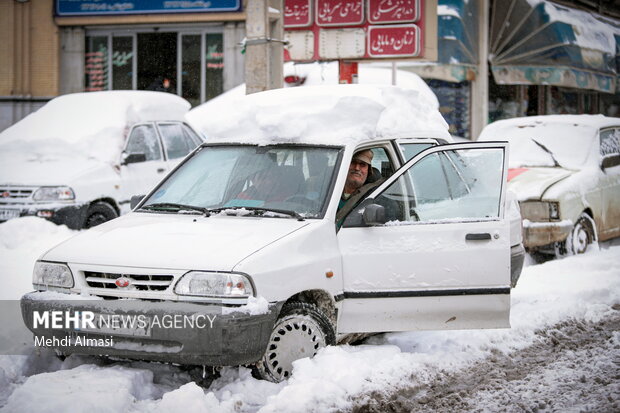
x=579, y=239
x=301, y=330
x=98, y=213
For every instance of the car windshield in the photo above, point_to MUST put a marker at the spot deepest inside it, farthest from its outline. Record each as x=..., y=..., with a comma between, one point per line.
x=280, y=181
x=566, y=145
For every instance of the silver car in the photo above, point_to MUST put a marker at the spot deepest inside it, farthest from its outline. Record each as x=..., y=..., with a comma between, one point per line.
x=565, y=170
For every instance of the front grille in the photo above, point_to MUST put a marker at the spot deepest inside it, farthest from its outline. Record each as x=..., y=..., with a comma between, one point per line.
x=138, y=282
x=15, y=193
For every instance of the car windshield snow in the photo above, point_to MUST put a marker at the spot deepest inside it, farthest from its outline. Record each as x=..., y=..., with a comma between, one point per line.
x=280, y=181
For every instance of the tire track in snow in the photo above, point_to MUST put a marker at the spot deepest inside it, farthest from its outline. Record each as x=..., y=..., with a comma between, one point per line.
x=574, y=366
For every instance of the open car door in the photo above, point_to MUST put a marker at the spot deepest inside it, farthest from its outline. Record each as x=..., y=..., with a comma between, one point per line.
x=430, y=247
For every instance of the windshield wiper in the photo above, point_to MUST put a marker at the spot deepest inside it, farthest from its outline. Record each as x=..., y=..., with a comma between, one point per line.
x=555, y=161
x=171, y=206
x=260, y=211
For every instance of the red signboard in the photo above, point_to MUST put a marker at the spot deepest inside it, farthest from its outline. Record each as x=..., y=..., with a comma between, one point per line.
x=339, y=12
x=393, y=11
x=394, y=41
x=297, y=13
x=354, y=29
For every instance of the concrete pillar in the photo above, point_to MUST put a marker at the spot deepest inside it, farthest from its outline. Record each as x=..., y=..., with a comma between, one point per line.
x=72, y=43
x=264, y=52
x=480, y=85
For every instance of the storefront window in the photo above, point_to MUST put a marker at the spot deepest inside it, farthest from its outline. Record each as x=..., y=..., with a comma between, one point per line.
x=122, y=63
x=153, y=61
x=190, y=74
x=214, y=68
x=96, y=64
x=453, y=105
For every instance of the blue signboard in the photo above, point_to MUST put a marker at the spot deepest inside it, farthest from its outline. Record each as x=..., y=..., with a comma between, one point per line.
x=116, y=7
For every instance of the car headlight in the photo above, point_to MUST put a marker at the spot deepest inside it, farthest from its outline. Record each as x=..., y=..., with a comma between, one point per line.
x=51, y=274
x=540, y=211
x=53, y=193
x=214, y=284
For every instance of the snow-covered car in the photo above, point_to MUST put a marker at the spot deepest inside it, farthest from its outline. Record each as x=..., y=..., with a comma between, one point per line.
x=565, y=170
x=247, y=236
x=78, y=160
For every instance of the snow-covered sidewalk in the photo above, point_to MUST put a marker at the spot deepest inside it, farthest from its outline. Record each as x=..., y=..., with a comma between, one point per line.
x=583, y=289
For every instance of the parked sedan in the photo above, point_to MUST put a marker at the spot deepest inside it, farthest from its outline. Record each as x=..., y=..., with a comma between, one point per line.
x=79, y=159
x=565, y=170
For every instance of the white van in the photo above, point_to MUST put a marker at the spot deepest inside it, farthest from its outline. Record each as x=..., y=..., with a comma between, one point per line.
x=244, y=251
x=78, y=160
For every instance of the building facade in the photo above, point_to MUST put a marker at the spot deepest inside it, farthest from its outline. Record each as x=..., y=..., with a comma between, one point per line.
x=54, y=47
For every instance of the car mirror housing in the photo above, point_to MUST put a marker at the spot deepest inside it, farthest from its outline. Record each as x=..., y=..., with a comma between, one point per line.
x=374, y=215
x=610, y=161
x=132, y=158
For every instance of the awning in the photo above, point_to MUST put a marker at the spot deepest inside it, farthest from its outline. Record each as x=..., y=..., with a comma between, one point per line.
x=537, y=42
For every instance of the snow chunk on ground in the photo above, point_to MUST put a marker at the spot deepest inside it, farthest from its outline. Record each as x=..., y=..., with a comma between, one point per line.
x=86, y=388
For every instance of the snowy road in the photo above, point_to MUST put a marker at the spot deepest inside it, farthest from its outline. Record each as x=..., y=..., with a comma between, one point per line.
x=561, y=354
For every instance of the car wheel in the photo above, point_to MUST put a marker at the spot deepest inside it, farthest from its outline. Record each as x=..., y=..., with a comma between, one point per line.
x=98, y=213
x=580, y=237
x=300, y=331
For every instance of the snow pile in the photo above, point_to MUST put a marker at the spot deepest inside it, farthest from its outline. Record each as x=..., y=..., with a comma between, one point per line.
x=320, y=114
x=22, y=242
x=90, y=125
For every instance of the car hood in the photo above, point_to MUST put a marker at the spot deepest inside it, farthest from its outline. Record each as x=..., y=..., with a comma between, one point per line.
x=185, y=242
x=531, y=183
x=39, y=173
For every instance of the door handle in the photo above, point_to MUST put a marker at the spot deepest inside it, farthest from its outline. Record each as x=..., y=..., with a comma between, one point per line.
x=478, y=237
x=161, y=170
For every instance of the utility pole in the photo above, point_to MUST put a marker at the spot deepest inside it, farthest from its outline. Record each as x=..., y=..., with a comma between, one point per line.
x=480, y=86
x=264, y=53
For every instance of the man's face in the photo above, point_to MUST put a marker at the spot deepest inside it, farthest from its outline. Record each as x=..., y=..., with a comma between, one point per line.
x=358, y=171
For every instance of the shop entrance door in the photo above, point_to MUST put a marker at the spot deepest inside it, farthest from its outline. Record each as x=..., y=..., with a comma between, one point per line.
x=157, y=60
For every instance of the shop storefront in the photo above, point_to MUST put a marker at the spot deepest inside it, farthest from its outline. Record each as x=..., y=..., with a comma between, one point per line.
x=191, y=49
x=544, y=58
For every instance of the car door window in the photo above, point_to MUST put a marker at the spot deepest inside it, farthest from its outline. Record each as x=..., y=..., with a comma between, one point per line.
x=412, y=149
x=143, y=139
x=435, y=189
x=176, y=140
x=610, y=142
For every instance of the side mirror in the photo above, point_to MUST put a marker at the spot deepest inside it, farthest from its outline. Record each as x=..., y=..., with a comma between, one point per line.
x=135, y=200
x=610, y=161
x=128, y=158
x=374, y=215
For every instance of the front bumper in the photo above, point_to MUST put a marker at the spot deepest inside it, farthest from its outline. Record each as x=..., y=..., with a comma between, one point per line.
x=194, y=334
x=72, y=215
x=538, y=234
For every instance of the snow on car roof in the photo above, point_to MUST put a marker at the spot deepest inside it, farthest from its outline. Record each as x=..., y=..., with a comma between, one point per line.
x=92, y=124
x=330, y=115
x=568, y=137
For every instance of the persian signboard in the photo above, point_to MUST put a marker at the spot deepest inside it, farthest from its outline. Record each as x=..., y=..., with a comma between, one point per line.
x=297, y=13
x=339, y=13
x=393, y=11
x=394, y=41
x=353, y=29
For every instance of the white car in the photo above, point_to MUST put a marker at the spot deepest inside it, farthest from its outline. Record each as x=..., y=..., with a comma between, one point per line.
x=78, y=160
x=565, y=170
x=244, y=244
